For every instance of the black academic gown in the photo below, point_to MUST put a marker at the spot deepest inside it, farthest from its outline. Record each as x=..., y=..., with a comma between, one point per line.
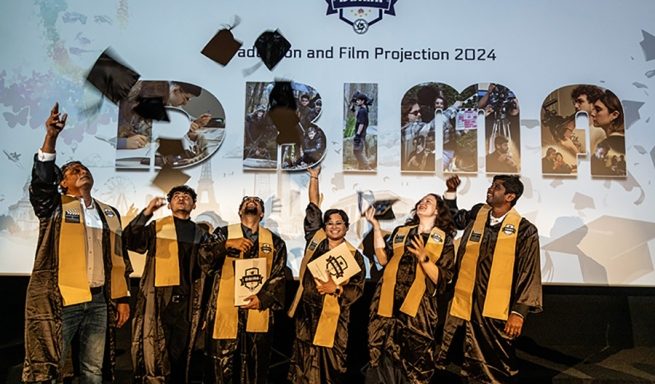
x=166, y=319
x=310, y=363
x=245, y=359
x=489, y=355
x=401, y=347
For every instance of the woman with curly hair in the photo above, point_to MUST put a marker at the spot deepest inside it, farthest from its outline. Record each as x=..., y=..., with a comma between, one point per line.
x=418, y=260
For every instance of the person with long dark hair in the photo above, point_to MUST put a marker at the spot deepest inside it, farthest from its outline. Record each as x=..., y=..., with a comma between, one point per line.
x=418, y=260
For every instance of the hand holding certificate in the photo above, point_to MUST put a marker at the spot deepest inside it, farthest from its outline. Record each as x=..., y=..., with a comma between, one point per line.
x=337, y=264
x=249, y=277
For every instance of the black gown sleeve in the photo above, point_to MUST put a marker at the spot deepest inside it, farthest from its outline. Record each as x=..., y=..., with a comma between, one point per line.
x=137, y=236
x=527, y=294
x=354, y=288
x=44, y=192
x=271, y=295
x=212, y=251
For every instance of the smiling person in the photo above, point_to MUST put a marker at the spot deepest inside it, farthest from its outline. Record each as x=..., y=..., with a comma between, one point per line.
x=168, y=309
x=79, y=284
x=418, y=260
x=498, y=282
x=238, y=339
x=322, y=308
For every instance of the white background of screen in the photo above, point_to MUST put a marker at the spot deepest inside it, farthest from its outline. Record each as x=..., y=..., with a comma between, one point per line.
x=540, y=47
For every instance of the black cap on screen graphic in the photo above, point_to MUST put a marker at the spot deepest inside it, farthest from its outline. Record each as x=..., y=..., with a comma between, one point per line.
x=151, y=108
x=111, y=77
x=170, y=147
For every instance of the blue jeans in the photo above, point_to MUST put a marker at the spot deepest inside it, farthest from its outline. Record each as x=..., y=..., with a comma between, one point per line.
x=90, y=320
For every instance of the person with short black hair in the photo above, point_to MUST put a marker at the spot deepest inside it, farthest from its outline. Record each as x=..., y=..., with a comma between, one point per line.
x=238, y=339
x=168, y=306
x=500, y=160
x=319, y=349
x=80, y=281
x=313, y=145
x=548, y=161
x=497, y=283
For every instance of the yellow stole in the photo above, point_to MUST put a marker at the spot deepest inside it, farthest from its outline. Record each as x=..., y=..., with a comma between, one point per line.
x=496, y=302
x=226, y=323
x=167, y=263
x=72, y=275
x=330, y=311
x=411, y=303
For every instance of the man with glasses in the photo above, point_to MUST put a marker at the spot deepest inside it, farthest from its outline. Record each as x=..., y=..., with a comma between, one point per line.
x=168, y=308
x=79, y=284
x=322, y=308
x=238, y=338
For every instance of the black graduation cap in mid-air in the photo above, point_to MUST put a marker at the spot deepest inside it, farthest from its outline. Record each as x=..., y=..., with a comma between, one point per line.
x=282, y=111
x=111, y=77
x=271, y=47
x=383, y=207
x=222, y=47
x=168, y=178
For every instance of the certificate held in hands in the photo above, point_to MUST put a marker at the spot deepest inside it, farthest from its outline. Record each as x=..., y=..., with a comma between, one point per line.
x=338, y=262
x=249, y=276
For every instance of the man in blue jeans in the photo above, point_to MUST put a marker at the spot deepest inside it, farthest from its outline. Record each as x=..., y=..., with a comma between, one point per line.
x=79, y=283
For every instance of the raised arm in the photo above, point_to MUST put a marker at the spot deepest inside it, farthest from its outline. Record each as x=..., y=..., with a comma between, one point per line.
x=55, y=123
x=378, y=239
x=314, y=193
x=461, y=217
x=136, y=235
x=45, y=175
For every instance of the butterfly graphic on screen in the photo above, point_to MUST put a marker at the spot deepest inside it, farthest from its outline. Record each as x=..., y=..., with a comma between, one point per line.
x=16, y=118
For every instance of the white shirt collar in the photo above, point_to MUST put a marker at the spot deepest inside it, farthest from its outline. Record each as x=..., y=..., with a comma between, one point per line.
x=496, y=220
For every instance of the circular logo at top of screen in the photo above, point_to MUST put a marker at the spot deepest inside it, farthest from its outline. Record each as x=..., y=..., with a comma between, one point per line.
x=360, y=26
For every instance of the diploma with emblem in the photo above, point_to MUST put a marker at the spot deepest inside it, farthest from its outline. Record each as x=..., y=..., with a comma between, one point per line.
x=337, y=262
x=249, y=276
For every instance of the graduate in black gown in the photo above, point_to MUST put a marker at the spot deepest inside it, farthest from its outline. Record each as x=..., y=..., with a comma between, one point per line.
x=322, y=308
x=498, y=282
x=418, y=260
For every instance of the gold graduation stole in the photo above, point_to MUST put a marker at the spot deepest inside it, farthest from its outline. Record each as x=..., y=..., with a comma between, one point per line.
x=167, y=263
x=411, y=303
x=118, y=281
x=227, y=315
x=330, y=311
x=496, y=302
x=72, y=275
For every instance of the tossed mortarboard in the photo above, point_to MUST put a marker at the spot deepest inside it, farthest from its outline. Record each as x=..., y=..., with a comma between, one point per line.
x=383, y=207
x=282, y=111
x=151, y=108
x=222, y=47
x=271, y=47
x=111, y=77
x=168, y=178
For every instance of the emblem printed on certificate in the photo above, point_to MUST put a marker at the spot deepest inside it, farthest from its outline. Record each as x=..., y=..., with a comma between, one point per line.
x=249, y=276
x=337, y=262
